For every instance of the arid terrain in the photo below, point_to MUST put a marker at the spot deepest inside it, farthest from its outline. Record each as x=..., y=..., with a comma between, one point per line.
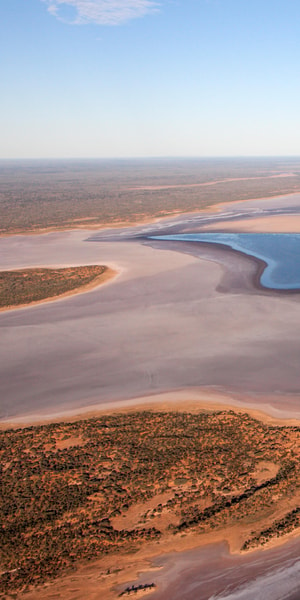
x=27, y=286
x=45, y=195
x=106, y=483
x=81, y=490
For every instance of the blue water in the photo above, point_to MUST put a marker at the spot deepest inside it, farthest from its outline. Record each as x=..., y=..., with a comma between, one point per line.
x=281, y=252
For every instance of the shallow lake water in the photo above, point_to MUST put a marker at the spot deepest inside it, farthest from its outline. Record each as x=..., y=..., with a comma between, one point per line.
x=280, y=252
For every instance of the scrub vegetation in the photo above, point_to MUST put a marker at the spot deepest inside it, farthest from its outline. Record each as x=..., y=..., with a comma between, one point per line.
x=76, y=491
x=33, y=285
x=37, y=195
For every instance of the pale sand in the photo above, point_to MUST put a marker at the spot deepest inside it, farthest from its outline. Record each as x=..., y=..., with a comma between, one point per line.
x=201, y=400
x=270, y=224
x=105, y=278
x=277, y=200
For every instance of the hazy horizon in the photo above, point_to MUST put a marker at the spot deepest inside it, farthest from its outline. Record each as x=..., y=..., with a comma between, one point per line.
x=152, y=158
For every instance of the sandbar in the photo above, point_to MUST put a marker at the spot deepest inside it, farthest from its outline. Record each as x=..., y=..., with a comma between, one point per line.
x=272, y=224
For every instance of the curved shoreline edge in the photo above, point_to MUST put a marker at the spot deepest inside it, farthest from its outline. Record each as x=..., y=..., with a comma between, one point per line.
x=198, y=400
x=261, y=267
x=254, y=280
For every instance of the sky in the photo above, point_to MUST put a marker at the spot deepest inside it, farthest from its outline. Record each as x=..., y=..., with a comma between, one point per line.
x=149, y=78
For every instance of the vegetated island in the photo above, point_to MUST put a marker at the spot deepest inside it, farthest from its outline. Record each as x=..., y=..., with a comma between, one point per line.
x=77, y=491
x=26, y=286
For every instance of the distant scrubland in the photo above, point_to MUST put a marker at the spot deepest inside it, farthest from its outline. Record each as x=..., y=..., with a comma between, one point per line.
x=68, y=194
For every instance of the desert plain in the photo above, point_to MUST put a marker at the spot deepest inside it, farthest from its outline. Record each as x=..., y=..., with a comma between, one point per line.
x=181, y=326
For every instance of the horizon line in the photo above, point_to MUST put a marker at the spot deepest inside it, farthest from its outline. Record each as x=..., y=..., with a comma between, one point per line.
x=152, y=157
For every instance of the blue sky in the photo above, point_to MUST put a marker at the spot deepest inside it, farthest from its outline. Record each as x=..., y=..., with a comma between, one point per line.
x=131, y=78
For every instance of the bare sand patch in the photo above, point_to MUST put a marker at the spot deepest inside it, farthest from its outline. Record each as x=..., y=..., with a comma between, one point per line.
x=197, y=400
x=265, y=470
x=135, y=514
x=271, y=224
x=279, y=200
x=64, y=443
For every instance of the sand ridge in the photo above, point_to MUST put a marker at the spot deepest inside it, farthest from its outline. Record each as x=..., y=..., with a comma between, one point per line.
x=266, y=224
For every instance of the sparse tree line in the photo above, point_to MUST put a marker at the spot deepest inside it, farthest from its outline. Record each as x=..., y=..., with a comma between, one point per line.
x=280, y=527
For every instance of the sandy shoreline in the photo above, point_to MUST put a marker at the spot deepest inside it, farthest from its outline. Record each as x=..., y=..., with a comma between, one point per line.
x=108, y=576
x=179, y=401
x=100, y=226
x=267, y=224
x=221, y=205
